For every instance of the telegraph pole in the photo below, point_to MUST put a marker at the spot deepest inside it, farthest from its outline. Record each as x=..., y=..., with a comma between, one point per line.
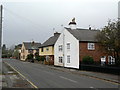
x=1, y=8
x=119, y=11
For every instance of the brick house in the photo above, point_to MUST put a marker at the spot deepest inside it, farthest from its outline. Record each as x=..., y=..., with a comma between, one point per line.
x=75, y=43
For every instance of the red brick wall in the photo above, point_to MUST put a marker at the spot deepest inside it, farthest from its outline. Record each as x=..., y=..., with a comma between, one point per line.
x=96, y=54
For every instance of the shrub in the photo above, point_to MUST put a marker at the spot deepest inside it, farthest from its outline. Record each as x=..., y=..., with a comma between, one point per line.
x=42, y=58
x=88, y=60
x=30, y=56
x=37, y=58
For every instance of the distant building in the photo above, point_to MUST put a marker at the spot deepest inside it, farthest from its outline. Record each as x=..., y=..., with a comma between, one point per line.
x=47, y=49
x=18, y=51
x=29, y=48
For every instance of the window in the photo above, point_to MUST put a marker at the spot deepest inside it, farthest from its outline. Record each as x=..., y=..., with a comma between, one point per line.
x=42, y=50
x=23, y=51
x=47, y=58
x=111, y=60
x=60, y=59
x=23, y=56
x=68, y=59
x=103, y=60
x=60, y=47
x=68, y=46
x=30, y=51
x=91, y=46
x=47, y=49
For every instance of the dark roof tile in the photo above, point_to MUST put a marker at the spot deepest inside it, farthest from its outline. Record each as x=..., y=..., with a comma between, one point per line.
x=84, y=34
x=51, y=41
x=30, y=45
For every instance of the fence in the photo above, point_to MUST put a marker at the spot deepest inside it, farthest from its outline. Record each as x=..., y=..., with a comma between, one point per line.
x=103, y=69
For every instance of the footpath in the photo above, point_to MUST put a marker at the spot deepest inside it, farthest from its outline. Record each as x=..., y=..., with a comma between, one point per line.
x=97, y=75
x=11, y=79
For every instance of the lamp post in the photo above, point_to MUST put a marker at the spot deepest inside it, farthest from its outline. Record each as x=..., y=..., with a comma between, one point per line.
x=1, y=7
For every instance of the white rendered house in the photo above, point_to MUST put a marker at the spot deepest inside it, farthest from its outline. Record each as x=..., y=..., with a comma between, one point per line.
x=66, y=50
x=73, y=44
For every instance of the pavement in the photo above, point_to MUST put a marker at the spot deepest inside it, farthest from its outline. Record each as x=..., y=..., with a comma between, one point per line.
x=45, y=76
x=98, y=75
x=11, y=79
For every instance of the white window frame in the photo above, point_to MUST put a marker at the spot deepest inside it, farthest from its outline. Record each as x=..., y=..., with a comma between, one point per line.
x=91, y=46
x=68, y=46
x=60, y=47
x=111, y=60
x=68, y=58
x=60, y=59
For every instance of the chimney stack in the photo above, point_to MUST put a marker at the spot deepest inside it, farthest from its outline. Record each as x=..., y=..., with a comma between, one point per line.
x=73, y=24
x=89, y=27
x=56, y=33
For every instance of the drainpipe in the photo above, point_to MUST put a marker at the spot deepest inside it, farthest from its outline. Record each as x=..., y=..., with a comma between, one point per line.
x=63, y=50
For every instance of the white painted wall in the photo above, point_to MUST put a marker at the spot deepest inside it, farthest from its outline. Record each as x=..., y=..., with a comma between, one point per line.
x=73, y=52
x=58, y=53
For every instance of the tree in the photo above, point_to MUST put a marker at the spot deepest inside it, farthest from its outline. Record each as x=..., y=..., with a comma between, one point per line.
x=4, y=50
x=42, y=58
x=109, y=40
x=7, y=53
x=16, y=54
x=37, y=57
x=30, y=56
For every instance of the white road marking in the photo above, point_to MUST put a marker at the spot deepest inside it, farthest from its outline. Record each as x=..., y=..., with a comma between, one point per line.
x=94, y=88
x=91, y=87
x=22, y=75
x=68, y=79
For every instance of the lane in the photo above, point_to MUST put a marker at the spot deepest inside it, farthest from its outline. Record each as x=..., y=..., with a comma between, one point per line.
x=44, y=77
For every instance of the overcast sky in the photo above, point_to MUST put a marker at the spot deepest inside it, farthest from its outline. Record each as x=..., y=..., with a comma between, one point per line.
x=27, y=20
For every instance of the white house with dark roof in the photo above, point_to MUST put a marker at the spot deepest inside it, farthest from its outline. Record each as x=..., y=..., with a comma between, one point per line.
x=73, y=44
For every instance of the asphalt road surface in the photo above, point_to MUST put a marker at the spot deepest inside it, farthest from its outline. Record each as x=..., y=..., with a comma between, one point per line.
x=43, y=77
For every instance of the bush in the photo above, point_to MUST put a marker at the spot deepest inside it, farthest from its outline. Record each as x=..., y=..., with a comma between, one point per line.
x=37, y=58
x=42, y=58
x=88, y=60
x=30, y=56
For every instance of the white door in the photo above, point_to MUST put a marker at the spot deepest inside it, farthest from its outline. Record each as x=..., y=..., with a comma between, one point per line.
x=103, y=60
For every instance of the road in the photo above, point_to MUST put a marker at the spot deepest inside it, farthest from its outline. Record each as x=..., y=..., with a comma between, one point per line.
x=43, y=77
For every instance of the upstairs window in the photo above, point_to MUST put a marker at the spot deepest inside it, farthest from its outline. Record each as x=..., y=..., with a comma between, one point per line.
x=42, y=50
x=30, y=51
x=22, y=50
x=47, y=49
x=68, y=46
x=91, y=46
x=60, y=48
